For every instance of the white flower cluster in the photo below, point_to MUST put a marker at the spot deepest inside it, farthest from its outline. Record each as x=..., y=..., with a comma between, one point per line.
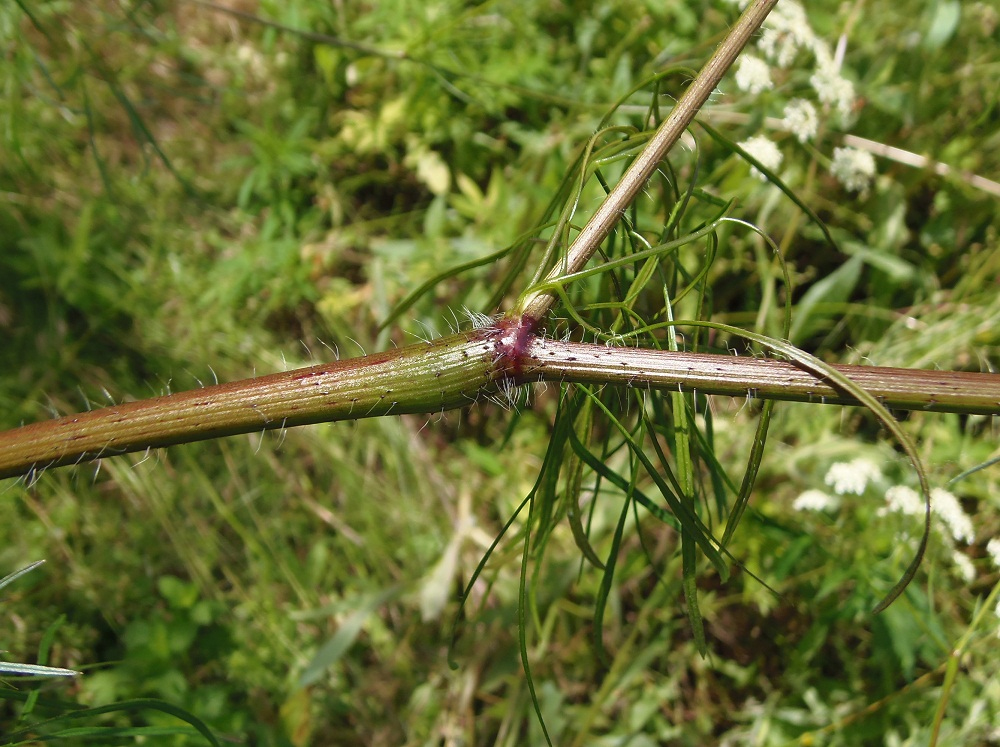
x=764, y=151
x=903, y=500
x=816, y=500
x=950, y=519
x=993, y=550
x=801, y=119
x=900, y=499
x=843, y=477
x=833, y=89
x=946, y=505
x=786, y=31
x=853, y=168
x=852, y=477
x=753, y=75
x=786, y=34
x=964, y=565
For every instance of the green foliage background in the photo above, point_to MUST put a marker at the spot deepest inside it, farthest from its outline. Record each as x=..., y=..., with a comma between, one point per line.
x=186, y=195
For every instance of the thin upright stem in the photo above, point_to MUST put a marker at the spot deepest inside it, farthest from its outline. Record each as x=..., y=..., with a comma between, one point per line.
x=535, y=305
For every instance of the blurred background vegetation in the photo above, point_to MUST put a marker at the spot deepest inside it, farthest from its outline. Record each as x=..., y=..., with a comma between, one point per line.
x=189, y=195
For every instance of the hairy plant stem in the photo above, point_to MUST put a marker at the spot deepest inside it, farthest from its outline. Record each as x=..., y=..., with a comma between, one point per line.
x=423, y=378
x=453, y=372
x=536, y=304
x=444, y=374
x=896, y=388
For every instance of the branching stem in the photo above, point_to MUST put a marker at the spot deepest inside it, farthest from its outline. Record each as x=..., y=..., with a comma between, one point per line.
x=453, y=372
x=535, y=305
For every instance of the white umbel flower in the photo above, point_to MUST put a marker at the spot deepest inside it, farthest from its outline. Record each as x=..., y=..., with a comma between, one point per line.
x=815, y=500
x=852, y=477
x=993, y=550
x=965, y=567
x=831, y=87
x=902, y=500
x=853, y=168
x=786, y=31
x=955, y=519
x=753, y=75
x=801, y=119
x=764, y=151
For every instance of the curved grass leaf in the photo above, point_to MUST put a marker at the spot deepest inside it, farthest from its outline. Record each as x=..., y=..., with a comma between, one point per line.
x=984, y=608
x=34, y=670
x=552, y=459
x=771, y=177
x=750, y=475
x=683, y=514
x=825, y=371
x=652, y=80
x=420, y=291
x=29, y=735
x=12, y=577
x=522, y=625
x=683, y=424
x=600, y=468
x=476, y=573
x=764, y=421
x=607, y=578
x=139, y=127
x=94, y=733
x=573, y=490
x=974, y=470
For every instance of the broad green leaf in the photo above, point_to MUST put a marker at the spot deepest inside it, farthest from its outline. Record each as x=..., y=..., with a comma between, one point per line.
x=944, y=21
x=834, y=288
x=334, y=649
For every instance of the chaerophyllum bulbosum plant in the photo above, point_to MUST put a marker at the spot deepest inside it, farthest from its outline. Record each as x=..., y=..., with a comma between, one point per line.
x=612, y=311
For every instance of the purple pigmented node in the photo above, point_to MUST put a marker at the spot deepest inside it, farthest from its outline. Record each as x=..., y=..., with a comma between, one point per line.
x=512, y=336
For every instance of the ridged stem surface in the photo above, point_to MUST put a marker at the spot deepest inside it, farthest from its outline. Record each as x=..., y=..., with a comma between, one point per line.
x=441, y=375
x=453, y=372
x=741, y=376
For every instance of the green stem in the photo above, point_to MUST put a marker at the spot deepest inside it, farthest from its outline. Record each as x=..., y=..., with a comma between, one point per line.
x=427, y=377
x=741, y=376
x=453, y=372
